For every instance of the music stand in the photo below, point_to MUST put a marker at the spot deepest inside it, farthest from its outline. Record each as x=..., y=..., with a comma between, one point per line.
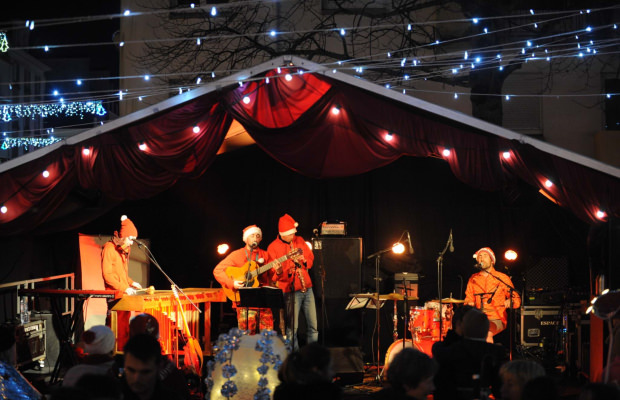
x=260, y=297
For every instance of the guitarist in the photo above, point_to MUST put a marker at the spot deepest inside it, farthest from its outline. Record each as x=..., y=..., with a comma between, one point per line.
x=246, y=318
x=294, y=279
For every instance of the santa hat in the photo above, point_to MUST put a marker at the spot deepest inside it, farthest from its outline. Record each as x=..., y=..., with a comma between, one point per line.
x=488, y=251
x=127, y=228
x=287, y=225
x=99, y=339
x=250, y=230
x=144, y=323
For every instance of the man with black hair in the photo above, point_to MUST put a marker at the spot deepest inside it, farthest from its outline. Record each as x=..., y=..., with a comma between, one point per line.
x=410, y=376
x=141, y=366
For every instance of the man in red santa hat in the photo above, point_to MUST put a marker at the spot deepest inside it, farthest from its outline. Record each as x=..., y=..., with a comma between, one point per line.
x=246, y=317
x=115, y=269
x=294, y=279
x=489, y=290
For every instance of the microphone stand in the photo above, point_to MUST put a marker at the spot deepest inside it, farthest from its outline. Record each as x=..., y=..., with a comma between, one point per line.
x=440, y=283
x=511, y=289
x=292, y=303
x=318, y=244
x=151, y=257
x=377, y=257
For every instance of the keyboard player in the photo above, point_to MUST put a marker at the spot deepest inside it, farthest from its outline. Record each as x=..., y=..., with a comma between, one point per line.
x=115, y=270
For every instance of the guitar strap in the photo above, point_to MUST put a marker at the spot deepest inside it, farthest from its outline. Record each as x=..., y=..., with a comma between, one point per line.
x=248, y=256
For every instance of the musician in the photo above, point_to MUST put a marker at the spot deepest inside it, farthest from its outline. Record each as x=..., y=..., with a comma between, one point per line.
x=489, y=290
x=294, y=280
x=115, y=270
x=246, y=317
x=115, y=259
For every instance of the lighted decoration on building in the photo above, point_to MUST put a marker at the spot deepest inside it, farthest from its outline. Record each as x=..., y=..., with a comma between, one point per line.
x=71, y=109
x=26, y=142
x=4, y=42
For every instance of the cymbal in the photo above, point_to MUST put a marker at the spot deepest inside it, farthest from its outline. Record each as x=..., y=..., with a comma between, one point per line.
x=389, y=296
x=451, y=300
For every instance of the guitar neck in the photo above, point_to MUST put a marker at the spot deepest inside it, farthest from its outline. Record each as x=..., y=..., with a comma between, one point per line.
x=267, y=267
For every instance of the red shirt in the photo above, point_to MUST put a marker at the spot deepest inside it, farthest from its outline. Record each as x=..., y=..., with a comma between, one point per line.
x=279, y=248
x=239, y=258
x=482, y=282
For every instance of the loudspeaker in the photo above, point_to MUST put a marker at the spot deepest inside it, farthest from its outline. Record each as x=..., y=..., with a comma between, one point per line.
x=348, y=365
x=549, y=273
x=30, y=342
x=341, y=257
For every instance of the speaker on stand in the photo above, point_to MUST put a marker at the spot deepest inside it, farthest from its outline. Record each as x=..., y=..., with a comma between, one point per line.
x=340, y=259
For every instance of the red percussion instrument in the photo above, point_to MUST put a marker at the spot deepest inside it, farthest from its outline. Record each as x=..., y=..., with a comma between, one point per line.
x=424, y=345
x=420, y=321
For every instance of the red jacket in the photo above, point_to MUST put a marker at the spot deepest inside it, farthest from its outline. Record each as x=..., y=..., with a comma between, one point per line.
x=239, y=258
x=115, y=267
x=279, y=248
x=485, y=283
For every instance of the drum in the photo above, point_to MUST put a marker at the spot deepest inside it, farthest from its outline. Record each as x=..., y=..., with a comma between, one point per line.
x=394, y=349
x=446, y=315
x=424, y=345
x=249, y=356
x=420, y=321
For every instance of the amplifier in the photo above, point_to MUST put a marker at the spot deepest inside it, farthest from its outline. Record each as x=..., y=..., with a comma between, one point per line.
x=30, y=342
x=337, y=228
x=540, y=322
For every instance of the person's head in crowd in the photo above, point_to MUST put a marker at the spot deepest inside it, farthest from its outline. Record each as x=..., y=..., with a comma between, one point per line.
x=100, y=387
x=98, y=339
x=515, y=374
x=475, y=325
x=540, y=388
x=8, y=352
x=141, y=364
x=457, y=318
x=411, y=373
x=144, y=324
x=600, y=391
x=312, y=363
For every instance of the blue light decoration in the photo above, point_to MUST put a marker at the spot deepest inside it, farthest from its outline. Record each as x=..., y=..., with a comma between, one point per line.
x=72, y=109
x=4, y=42
x=26, y=142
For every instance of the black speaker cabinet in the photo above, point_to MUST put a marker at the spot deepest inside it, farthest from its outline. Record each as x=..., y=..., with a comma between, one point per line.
x=348, y=365
x=540, y=323
x=30, y=342
x=341, y=258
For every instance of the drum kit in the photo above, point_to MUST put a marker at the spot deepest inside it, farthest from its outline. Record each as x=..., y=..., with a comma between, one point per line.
x=424, y=327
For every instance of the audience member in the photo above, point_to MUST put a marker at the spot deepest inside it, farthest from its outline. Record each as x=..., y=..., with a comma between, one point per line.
x=470, y=365
x=410, y=376
x=455, y=334
x=141, y=366
x=599, y=391
x=540, y=388
x=307, y=374
x=98, y=343
x=515, y=374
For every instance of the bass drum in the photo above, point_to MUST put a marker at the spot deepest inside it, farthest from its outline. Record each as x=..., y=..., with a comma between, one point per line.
x=425, y=346
x=394, y=349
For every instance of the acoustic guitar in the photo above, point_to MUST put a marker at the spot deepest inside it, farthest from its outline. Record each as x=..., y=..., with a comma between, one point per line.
x=250, y=270
x=193, y=353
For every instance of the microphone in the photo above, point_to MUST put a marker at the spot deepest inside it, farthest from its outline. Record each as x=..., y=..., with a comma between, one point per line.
x=451, y=242
x=315, y=232
x=139, y=243
x=492, y=294
x=254, y=245
x=478, y=266
x=409, y=242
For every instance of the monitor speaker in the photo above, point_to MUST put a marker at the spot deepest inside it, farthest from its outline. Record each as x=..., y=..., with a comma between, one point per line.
x=348, y=365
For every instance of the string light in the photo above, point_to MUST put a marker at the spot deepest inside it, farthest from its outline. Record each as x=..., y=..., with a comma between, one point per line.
x=26, y=142
x=4, y=42
x=73, y=109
